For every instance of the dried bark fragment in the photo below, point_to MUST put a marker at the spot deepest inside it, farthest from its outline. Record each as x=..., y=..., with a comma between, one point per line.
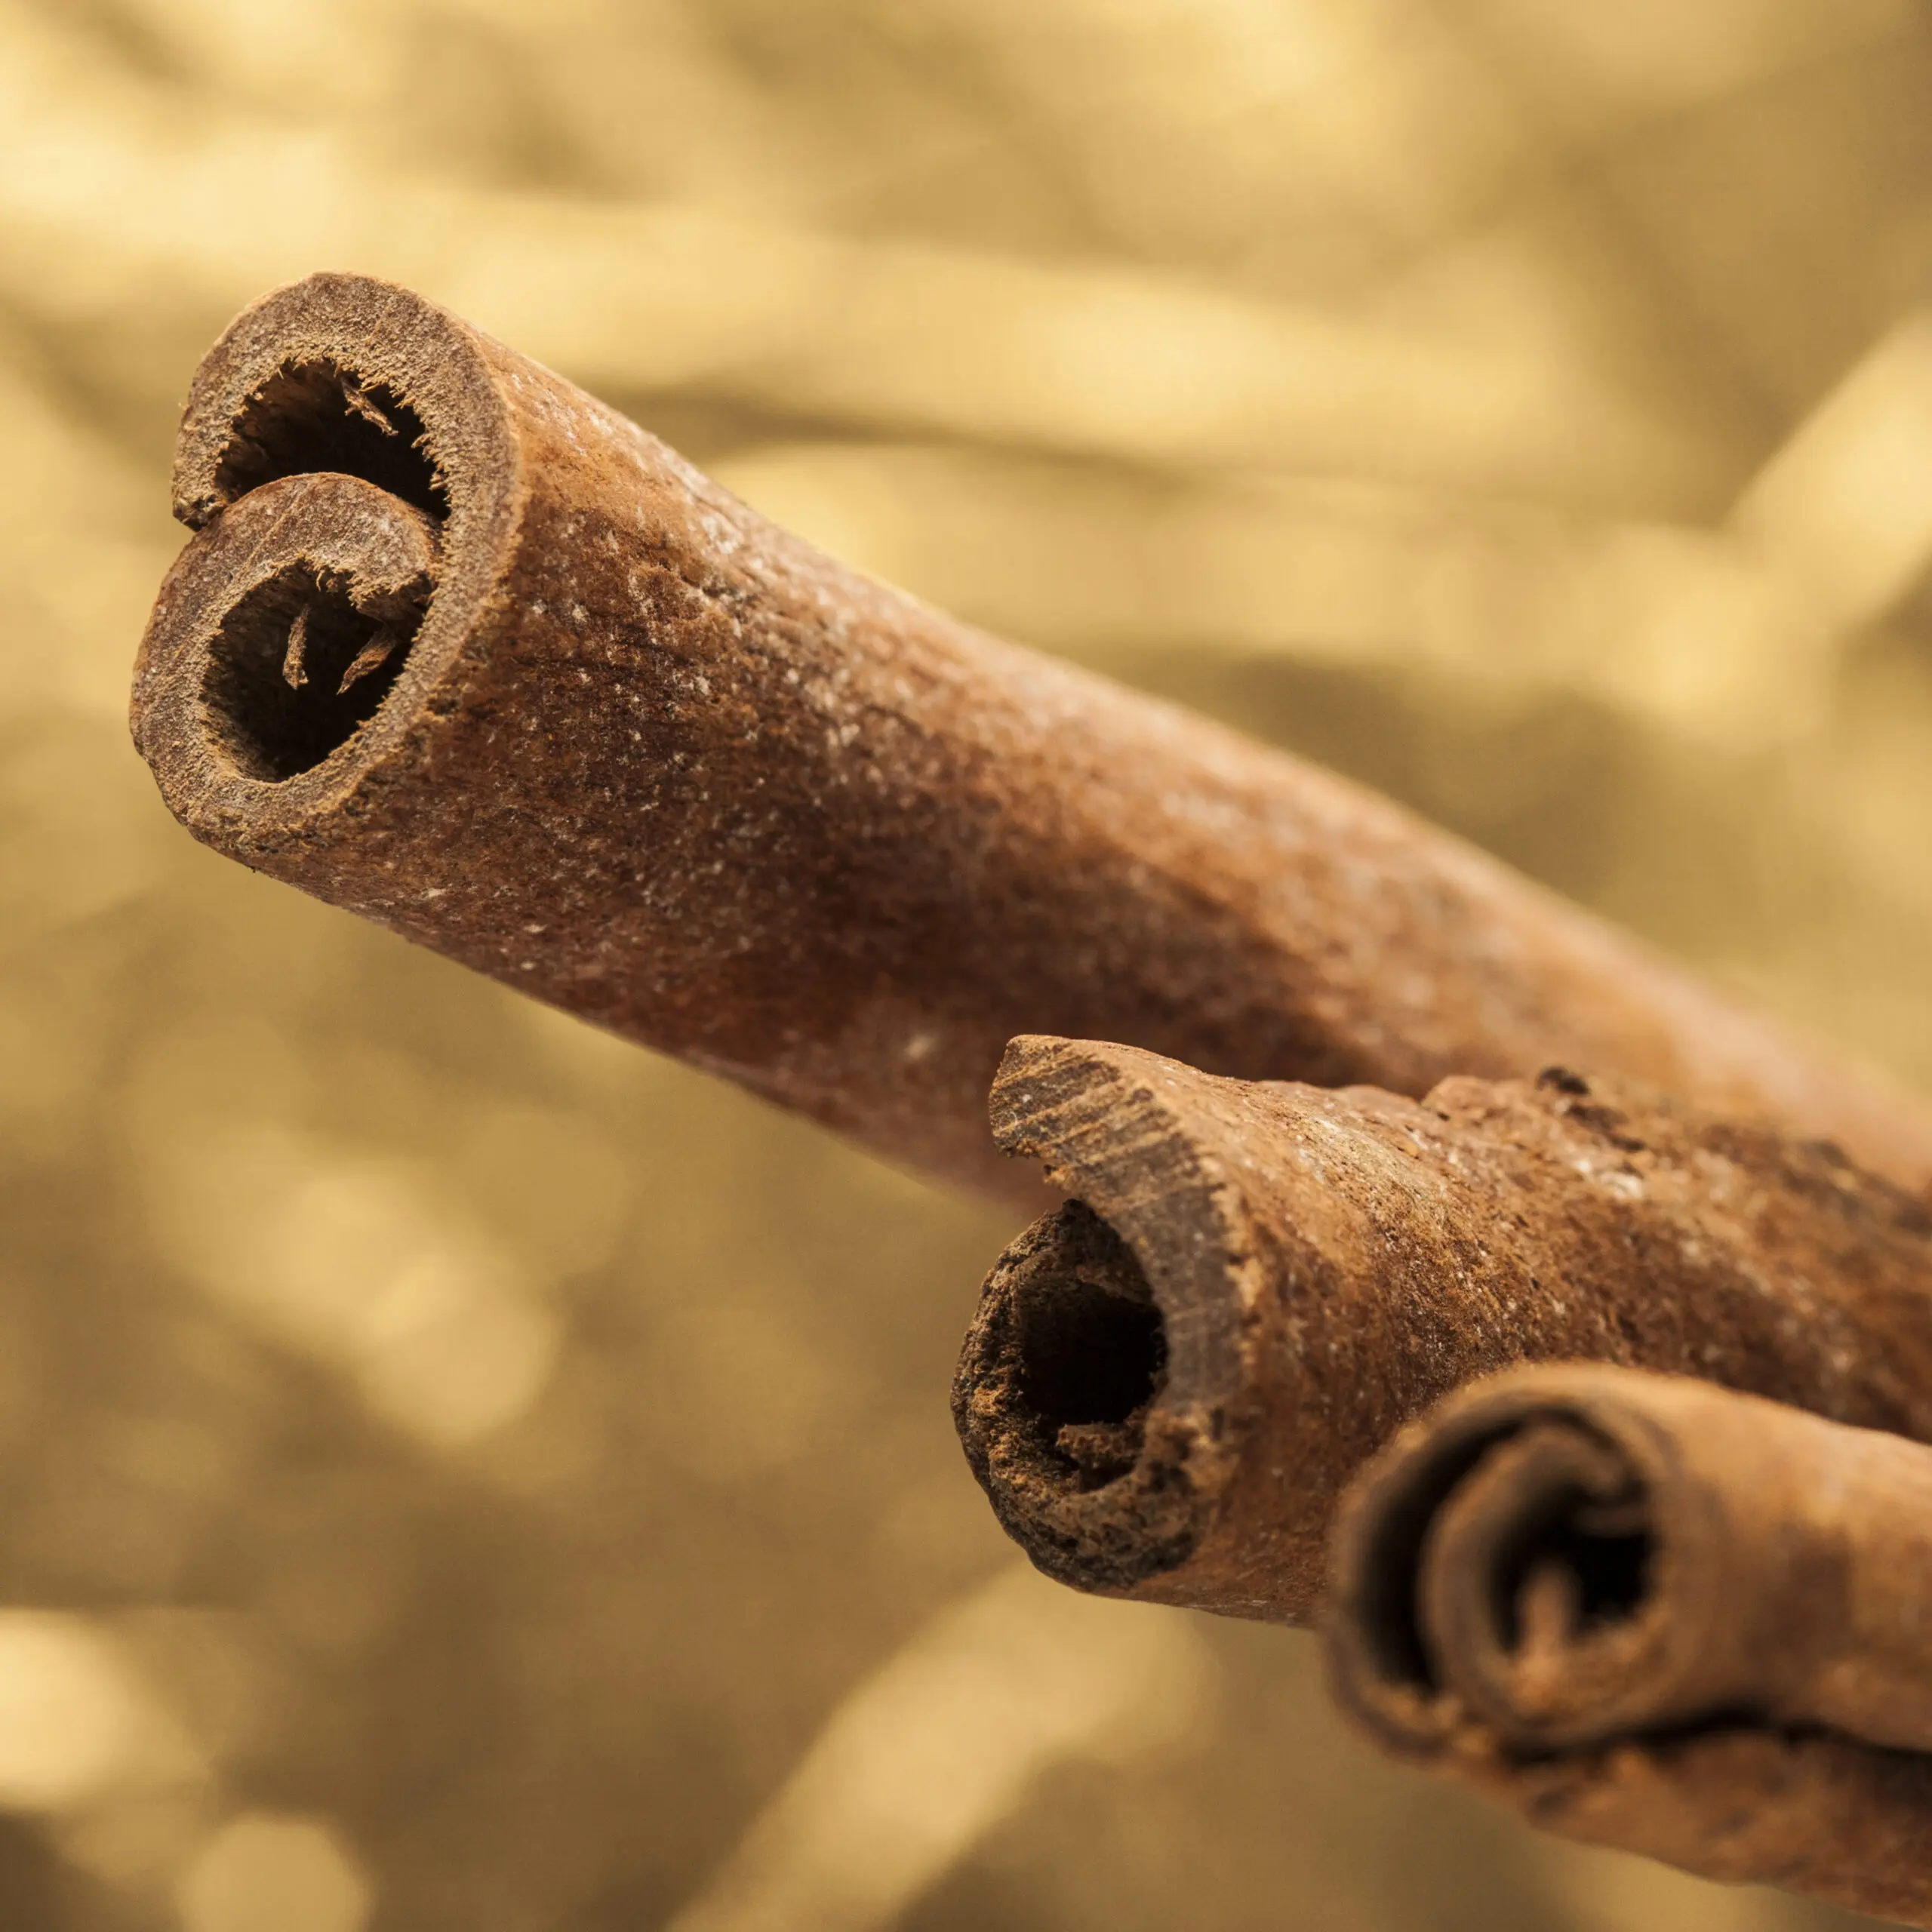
x=643, y=756
x=1658, y=1615
x=1325, y=1266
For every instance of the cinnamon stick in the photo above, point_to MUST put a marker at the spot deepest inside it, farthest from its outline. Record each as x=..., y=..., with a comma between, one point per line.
x=1171, y=1378
x=1656, y=1615
x=463, y=650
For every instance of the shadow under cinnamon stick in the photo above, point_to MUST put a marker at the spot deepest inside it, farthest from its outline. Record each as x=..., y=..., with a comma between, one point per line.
x=1171, y=1379
x=460, y=649
x=1659, y=1615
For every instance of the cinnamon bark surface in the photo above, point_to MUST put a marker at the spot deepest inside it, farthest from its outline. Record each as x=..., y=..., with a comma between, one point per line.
x=1171, y=1378
x=461, y=650
x=1657, y=1615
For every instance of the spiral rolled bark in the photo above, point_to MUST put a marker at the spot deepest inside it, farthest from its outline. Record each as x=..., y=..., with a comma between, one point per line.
x=461, y=650
x=1658, y=1615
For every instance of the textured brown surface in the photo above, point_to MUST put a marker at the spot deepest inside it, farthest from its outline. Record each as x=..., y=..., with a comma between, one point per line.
x=650, y=759
x=1656, y=1615
x=1327, y=1265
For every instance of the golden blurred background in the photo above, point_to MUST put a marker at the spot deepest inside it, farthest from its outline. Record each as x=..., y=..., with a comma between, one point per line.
x=461, y=1472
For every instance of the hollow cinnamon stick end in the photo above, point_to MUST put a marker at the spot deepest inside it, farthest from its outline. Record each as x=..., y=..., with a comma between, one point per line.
x=1662, y=1756
x=278, y=635
x=1441, y=1545
x=1096, y=1389
x=1055, y=1392
x=347, y=459
x=343, y=373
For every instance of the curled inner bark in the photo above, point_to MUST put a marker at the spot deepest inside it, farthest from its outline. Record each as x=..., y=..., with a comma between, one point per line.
x=1656, y=1614
x=1542, y=1573
x=321, y=583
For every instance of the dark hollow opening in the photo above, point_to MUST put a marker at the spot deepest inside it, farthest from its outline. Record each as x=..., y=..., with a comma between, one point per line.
x=1088, y=1354
x=273, y=729
x=1603, y=1547
x=1605, y=1559
x=311, y=418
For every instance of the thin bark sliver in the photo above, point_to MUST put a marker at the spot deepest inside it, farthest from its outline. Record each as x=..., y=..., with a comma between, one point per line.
x=458, y=648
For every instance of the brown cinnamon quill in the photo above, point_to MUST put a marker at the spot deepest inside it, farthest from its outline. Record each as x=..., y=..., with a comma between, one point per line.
x=458, y=648
x=1171, y=1378
x=1659, y=1615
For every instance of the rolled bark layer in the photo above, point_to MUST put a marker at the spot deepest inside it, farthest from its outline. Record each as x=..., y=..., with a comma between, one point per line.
x=463, y=650
x=1658, y=1615
x=1171, y=1378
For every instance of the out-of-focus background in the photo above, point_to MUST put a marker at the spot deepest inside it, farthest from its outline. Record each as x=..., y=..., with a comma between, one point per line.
x=456, y=1471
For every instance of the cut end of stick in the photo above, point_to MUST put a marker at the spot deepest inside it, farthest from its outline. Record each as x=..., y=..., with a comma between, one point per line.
x=340, y=444
x=316, y=413
x=314, y=587
x=316, y=418
x=1510, y=1564
x=1653, y=1614
x=1090, y=1353
x=1095, y=1391
x=295, y=669
x=1057, y=1400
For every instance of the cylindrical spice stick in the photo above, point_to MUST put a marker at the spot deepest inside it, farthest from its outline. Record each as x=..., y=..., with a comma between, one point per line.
x=460, y=649
x=1172, y=1377
x=1657, y=1615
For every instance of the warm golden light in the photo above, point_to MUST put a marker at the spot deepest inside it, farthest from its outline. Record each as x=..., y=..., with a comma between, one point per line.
x=439, y=1491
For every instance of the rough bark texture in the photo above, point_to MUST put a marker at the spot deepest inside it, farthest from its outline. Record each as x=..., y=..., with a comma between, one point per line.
x=1325, y=1266
x=1656, y=1615
x=653, y=760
